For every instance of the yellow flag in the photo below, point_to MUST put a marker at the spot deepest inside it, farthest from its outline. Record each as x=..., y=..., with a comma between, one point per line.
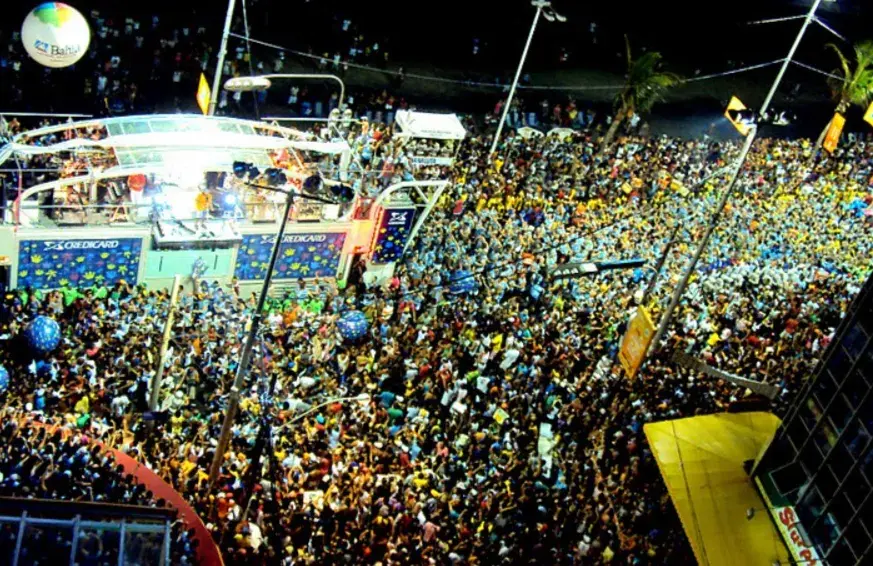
x=204, y=96
x=832, y=138
x=868, y=115
x=736, y=104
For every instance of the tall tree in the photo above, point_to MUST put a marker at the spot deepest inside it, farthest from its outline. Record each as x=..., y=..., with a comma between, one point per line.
x=644, y=85
x=854, y=87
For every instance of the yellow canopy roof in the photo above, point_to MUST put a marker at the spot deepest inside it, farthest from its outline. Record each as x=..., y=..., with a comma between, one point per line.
x=701, y=460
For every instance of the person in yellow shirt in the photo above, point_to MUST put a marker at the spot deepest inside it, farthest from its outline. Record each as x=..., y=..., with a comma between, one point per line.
x=203, y=205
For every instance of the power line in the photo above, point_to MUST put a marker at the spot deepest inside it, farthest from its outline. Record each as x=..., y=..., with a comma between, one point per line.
x=776, y=20
x=824, y=24
x=734, y=71
x=813, y=69
x=469, y=83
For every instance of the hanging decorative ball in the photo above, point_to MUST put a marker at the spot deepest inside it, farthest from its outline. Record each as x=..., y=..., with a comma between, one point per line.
x=353, y=326
x=461, y=282
x=43, y=335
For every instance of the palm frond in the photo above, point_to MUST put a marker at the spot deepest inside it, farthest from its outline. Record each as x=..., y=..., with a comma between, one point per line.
x=855, y=84
x=864, y=54
x=645, y=83
x=844, y=63
x=628, y=51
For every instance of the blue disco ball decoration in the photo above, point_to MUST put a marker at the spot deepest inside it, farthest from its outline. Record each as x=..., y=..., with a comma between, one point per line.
x=43, y=335
x=353, y=326
x=461, y=282
x=4, y=379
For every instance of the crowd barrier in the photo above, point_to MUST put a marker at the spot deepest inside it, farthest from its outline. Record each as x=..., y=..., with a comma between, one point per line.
x=208, y=553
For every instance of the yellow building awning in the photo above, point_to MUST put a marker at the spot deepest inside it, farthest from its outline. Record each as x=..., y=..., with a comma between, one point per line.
x=701, y=460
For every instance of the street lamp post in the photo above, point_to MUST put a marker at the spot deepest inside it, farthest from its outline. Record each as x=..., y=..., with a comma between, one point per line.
x=543, y=7
x=263, y=82
x=741, y=160
x=246, y=355
x=222, y=51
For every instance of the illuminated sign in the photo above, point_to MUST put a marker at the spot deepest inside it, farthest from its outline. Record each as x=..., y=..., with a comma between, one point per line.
x=802, y=551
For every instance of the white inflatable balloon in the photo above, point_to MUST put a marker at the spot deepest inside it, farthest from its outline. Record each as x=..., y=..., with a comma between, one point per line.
x=55, y=34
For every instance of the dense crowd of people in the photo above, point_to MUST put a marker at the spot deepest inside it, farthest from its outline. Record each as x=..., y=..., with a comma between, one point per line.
x=499, y=427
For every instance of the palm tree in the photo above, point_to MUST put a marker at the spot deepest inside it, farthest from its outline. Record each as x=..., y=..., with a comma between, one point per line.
x=854, y=85
x=644, y=85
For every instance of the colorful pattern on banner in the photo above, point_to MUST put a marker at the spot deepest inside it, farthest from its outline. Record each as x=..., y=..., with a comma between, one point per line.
x=49, y=264
x=301, y=256
x=392, y=235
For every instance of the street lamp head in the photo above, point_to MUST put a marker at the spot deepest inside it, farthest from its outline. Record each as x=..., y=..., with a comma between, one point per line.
x=247, y=84
x=551, y=15
x=540, y=3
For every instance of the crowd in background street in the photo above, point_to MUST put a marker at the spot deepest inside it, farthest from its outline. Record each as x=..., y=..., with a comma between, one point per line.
x=500, y=427
x=153, y=64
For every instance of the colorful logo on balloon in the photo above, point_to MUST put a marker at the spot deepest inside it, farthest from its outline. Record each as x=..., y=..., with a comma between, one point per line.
x=55, y=35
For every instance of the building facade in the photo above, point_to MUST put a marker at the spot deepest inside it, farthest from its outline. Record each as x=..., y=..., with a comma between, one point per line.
x=817, y=473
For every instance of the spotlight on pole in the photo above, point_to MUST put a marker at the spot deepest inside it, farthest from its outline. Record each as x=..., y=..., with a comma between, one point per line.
x=275, y=177
x=343, y=193
x=243, y=170
x=240, y=169
x=313, y=184
x=247, y=84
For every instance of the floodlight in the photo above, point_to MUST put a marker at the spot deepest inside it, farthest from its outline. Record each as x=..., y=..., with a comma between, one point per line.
x=312, y=184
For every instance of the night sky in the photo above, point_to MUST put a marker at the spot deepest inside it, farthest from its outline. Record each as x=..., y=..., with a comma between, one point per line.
x=691, y=34
x=430, y=38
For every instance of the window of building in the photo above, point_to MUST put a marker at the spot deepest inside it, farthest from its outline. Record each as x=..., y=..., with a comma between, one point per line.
x=840, y=363
x=841, y=554
x=858, y=538
x=855, y=340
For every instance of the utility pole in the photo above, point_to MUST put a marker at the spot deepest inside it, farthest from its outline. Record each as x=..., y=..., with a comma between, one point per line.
x=222, y=51
x=246, y=356
x=741, y=160
x=155, y=394
x=660, y=266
